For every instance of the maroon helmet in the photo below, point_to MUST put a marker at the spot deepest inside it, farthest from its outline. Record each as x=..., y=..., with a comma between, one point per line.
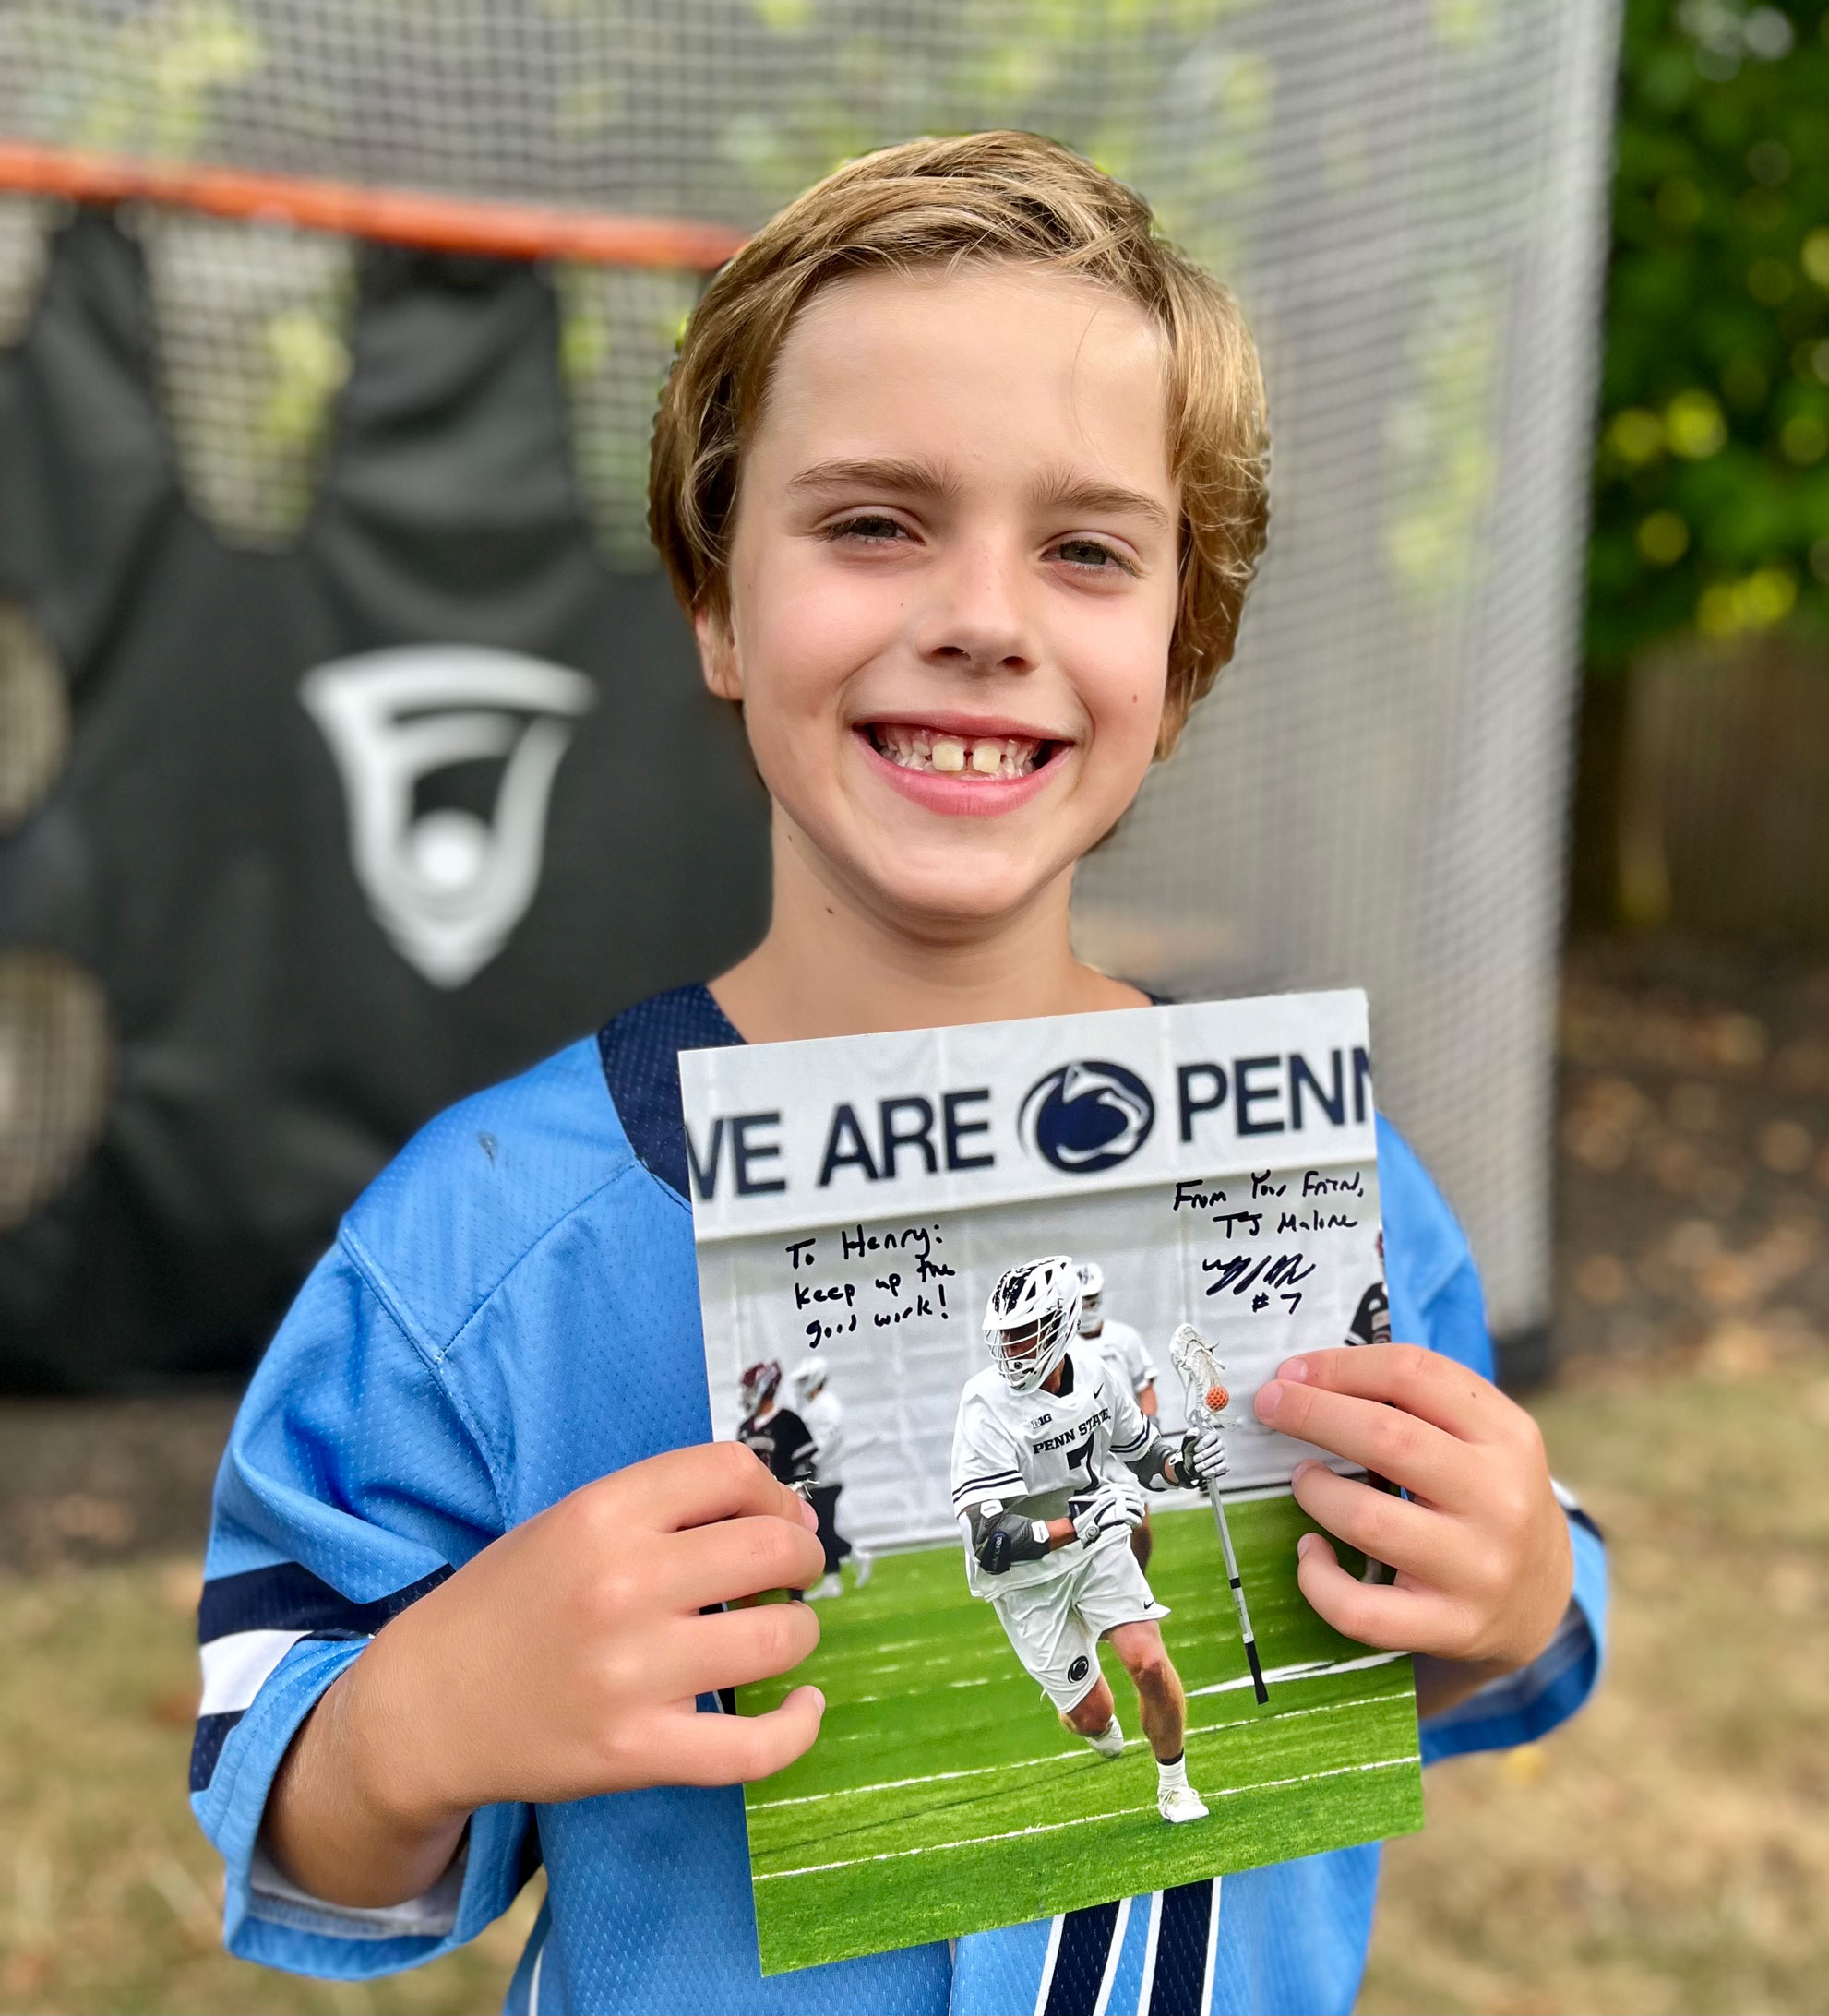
x=757, y=1385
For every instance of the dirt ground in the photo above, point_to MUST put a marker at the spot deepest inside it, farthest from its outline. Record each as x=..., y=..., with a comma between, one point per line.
x=1666, y=1851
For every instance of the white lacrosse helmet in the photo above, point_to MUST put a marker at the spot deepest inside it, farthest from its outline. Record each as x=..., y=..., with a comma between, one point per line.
x=806, y=1379
x=1031, y=1318
x=1092, y=1286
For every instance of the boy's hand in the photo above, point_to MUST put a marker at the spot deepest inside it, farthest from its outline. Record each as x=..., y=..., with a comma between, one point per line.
x=560, y=1663
x=1481, y=1547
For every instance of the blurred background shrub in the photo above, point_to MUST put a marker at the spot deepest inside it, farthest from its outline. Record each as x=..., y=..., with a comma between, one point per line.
x=1711, y=476
x=1704, y=794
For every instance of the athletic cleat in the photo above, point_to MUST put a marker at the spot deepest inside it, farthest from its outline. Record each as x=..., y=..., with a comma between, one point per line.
x=863, y=1565
x=1177, y=1803
x=827, y=1585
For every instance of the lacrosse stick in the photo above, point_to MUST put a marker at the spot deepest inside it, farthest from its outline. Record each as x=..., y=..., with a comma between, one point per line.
x=1207, y=1400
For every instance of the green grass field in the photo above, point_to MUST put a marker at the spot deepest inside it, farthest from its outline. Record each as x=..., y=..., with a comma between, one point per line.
x=943, y=1795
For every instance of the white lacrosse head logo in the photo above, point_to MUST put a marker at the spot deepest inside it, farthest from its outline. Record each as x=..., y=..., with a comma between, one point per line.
x=447, y=886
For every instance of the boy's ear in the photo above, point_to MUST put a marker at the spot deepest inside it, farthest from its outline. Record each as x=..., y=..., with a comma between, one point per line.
x=717, y=653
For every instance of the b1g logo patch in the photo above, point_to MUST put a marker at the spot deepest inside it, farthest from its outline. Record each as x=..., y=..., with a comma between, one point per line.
x=1078, y=1671
x=1085, y=1117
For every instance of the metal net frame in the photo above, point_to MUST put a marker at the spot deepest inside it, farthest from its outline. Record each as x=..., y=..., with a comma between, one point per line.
x=1407, y=199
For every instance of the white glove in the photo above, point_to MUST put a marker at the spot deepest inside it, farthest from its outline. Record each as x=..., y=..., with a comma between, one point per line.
x=1107, y=1510
x=1203, y=1455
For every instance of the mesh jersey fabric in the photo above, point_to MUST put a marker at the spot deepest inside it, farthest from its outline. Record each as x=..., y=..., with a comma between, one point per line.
x=511, y=1311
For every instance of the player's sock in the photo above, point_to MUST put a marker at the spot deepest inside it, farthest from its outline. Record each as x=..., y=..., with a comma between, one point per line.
x=862, y=1562
x=1177, y=1800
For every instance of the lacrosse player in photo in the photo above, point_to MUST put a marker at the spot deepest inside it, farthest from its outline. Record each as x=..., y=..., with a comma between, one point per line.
x=819, y=1409
x=1127, y=1357
x=1048, y=1518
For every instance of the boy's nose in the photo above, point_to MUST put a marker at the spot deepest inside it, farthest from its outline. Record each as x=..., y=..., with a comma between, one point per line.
x=977, y=619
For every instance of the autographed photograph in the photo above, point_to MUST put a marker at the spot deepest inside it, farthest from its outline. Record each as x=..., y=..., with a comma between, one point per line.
x=996, y=1301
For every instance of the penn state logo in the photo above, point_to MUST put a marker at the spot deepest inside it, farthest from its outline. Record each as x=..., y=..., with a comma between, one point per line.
x=1078, y=1671
x=448, y=885
x=1085, y=1117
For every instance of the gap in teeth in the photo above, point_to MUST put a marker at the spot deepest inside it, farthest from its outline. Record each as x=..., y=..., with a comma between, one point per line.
x=955, y=755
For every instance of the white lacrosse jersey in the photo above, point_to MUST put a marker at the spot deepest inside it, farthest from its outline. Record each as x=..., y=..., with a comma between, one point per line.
x=1035, y=1452
x=1125, y=1352
x=825, y=1423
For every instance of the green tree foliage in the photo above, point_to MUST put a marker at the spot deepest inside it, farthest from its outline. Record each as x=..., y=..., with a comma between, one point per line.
x=1712, y=483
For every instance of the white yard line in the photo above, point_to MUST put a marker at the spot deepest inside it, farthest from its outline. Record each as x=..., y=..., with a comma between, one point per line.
x=1055, y=1757
x=1314, y=1670
x=1089, y=1820
x=1282, y=1675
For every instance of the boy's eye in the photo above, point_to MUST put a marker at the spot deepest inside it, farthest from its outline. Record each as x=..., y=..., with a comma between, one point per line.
x=1092, y=554
x=868, y=525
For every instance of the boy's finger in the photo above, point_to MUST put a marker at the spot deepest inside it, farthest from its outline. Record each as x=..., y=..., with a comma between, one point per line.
x=734, y=1647
x=1421, y=1382
x=1373, y=1613
x=1413, y=1539
x=733, y=1749
x=696, y=1487
x=740, y=1557
x=1415, y=1454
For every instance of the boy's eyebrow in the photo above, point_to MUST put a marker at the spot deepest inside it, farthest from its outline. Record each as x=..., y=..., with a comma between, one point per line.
x=1059, y=490
x=888, y=473
x=1062, y=491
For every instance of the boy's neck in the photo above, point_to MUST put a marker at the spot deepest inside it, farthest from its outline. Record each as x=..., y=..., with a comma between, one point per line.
x=829, y=966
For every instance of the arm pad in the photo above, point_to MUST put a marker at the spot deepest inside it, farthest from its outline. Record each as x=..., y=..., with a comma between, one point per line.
x=998, y=1544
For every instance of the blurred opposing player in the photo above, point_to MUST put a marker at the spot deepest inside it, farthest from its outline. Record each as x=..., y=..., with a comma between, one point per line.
x=819, y=1409
x=1371, y=1319
x=1046, y=1528
x=1128, y=1356
x=775, y=1433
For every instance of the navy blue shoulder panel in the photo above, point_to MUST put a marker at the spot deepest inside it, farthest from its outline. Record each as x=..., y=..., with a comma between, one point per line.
x=640, y=1055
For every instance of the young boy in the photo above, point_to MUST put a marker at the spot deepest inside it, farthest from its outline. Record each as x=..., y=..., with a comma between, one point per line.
x=960, y=474
x=1049, y=1517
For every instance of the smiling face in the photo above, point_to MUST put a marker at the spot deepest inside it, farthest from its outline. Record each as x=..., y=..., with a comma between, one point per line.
x=952, y=586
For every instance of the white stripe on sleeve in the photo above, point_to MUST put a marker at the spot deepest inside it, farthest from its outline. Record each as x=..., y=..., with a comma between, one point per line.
x=237, y=1667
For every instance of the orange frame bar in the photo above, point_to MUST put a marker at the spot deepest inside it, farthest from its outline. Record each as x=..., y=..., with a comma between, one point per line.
x=402, y=217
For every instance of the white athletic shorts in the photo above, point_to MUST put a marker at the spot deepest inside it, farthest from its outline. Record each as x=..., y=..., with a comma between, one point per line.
x=1055, y=1627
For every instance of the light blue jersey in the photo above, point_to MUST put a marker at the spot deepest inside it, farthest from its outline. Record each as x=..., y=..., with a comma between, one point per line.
x=510, y=1311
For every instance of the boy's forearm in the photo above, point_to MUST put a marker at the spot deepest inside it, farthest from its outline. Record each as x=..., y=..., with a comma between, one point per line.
x=345, y=1820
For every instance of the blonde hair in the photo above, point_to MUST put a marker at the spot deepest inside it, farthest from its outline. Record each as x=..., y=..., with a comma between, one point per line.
x=939, y=202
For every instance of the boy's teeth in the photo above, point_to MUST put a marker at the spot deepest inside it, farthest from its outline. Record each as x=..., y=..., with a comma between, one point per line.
x=953, y=756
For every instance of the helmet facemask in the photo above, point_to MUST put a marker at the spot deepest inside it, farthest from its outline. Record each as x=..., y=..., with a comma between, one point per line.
x=1030, y=1321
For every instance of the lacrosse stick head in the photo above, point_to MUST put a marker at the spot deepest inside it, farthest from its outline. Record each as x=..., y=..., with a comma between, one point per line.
x=1193, y=1359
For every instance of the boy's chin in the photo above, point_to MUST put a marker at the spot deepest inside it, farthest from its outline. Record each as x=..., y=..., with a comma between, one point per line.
x=965, y=894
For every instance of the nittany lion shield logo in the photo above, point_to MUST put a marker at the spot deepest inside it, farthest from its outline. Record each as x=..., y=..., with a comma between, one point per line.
x=1085, y=1117
x=447, y=885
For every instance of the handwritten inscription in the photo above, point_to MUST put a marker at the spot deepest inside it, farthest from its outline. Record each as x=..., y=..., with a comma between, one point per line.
x=843, y=1302
x=1259, y=1276
x=1246, y=1218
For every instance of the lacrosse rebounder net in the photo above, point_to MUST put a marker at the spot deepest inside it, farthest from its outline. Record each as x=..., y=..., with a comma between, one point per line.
x=1407, y=198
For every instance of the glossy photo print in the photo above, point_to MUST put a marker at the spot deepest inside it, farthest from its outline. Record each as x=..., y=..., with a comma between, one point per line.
x=997, y=1299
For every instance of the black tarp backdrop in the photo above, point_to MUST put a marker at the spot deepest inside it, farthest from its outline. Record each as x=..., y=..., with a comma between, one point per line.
x=273, y=1045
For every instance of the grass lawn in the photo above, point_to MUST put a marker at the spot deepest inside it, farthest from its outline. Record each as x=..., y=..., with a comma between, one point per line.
x=944, y=1795
x=1666, y=1853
